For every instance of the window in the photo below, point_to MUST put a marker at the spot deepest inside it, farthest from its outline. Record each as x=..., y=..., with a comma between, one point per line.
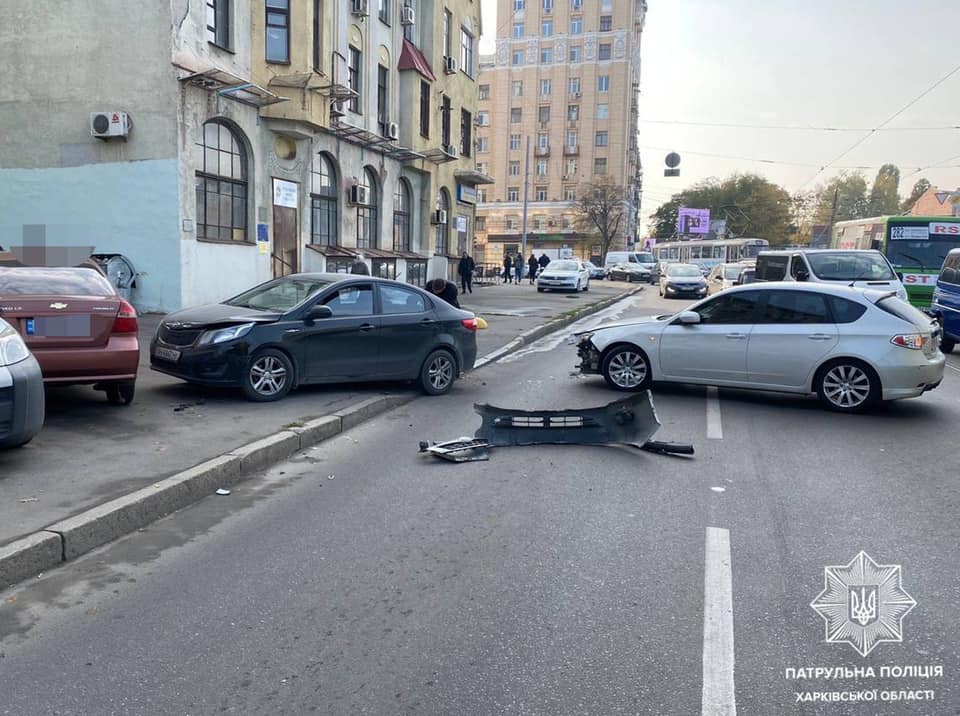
x=772, y=268
x=573, y=86
x=278, y=30
x=514, y=142
x=417, y=272
x=540, y=193
x=516, y=88
x=518, y=5
x=600, y=165
x=513, y=169
x=575, y=53
x=424, y=109
x=794, y=307
x=324, y=210
x=383, y=98
x=481, y=199
x=576, y=26
x=221, y=185
x=845, y=311
x=606, y=5
x=603, y=83
x=445, y=111
x=573, y=112
x=512, y=223
x=737, y=308
x=463, y=231
x=513, y=193
x=383, y=268
x=447, y=25
x=798, y=266
x=569, y=194
x=546, y=55
x=517, y=30
x=466, y=133
x=484, y=92
x=483, y=145
x=401, y=218
x=572, y=139
x=517, y=58
x=546, y=28
x=951, y=269
x=546, y=87
x=543, y=114
x=543, y=140
x=603, y=51
x=442, y=231
x=606, y=23
x=601, y=139
x=408, y=30
x=570, y=168
x=218, y=23
x=317, y=35
x=541, y=167
x=352, y=301
x=516, y=114
x=394, y=300
x=548, y=5
x=576, y=4
x=466, y=52
x=603, y=111
x=482, y=167
x=384, y=13
x=480, y=223
x=367, y=225
x=483, y=118
x=353, y=79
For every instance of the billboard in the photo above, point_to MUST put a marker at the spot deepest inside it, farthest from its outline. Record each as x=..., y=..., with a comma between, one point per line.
x=693, y=221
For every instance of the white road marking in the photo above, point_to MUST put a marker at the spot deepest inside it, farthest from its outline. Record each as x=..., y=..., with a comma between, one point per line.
x=719, y=695
x=714, y=425
x=952, y=366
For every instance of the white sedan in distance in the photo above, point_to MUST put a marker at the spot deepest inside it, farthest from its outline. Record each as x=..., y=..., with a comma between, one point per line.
x=852, y=347
x=722, y=276
x=564, y=275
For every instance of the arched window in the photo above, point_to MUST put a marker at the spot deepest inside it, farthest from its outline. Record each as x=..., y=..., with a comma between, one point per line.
x=443, y=232
x=221, y=185
x=367, y=213
x=324, y=202
x=401, y=217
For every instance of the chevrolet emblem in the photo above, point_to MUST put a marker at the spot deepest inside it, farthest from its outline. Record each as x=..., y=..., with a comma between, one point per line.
x=58, y=306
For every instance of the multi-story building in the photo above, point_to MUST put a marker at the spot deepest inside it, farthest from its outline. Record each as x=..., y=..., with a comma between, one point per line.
x=244, y=139
x=565, y=79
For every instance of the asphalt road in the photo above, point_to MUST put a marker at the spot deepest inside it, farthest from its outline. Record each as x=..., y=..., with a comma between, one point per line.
x=361, y=577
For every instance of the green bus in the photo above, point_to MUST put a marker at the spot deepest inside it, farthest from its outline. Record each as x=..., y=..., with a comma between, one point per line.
x=915, y=245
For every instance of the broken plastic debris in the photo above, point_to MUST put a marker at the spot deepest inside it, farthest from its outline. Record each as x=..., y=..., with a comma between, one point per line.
x=30, y=499
x=719, y=489
x=223, y=491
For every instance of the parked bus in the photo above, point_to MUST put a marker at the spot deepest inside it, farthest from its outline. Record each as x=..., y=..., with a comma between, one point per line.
x=915, y=245
x=707, y=254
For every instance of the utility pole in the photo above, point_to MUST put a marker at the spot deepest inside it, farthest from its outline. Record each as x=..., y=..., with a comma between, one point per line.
x=833, y=215
x=526, y=189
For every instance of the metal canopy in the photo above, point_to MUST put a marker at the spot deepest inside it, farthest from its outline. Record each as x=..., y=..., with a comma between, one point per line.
x=371, y=140
x=439, y=156
x=473, y=177
x=229, y=85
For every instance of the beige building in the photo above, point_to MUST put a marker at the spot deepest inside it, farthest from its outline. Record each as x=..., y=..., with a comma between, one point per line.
x=565, y=78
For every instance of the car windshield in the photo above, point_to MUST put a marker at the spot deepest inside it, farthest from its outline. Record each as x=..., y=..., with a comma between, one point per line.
x=731, y=271
x=29, y=281
x=563, y=266
x=645, y=258
x=281, y=294
x=683, y=270
x=850, y=266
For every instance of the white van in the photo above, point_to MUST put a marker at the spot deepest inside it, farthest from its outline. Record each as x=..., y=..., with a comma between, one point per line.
x=863, y=268
x=643, y=258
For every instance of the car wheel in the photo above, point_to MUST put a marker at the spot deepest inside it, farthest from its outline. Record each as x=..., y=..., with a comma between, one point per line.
x=586, y=286
x=626, y=368
x=947, y=345
x=269, y=376
x=539, y=290
x=121, y=393
x=847, y=386
x=438, y=373
x=577, y=289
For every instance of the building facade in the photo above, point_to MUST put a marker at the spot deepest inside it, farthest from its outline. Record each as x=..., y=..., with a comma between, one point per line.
x=937, y=202
x=565, y=79
x=256, y=138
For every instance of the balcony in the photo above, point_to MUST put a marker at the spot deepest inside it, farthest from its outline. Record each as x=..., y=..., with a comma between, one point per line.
x=571, y=150
x=541, y=151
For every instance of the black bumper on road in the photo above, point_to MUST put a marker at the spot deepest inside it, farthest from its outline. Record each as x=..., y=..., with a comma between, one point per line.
x=22, y=406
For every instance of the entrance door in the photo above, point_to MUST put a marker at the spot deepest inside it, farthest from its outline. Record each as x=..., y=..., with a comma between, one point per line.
x=285, y=257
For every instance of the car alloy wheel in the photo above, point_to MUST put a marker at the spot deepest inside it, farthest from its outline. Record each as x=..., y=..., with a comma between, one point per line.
x=269, y=376
x=122, y=392
x=626, y=368
x=846, y=387
x=438, y=373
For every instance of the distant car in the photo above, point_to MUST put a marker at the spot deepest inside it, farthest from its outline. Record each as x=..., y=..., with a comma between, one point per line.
x=21, y=390
x=946, y=301
x=628, y=272
x=318, y=328
x=852, y=347
x=76, y=325
x=682, y=281
x=657, y=271
x=643, y=258
x=595, y=271
x=564, y=275
x=747, y=275
x=722, y=276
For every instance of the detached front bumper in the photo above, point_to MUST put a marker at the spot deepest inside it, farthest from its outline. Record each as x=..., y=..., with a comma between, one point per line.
x=589, y=356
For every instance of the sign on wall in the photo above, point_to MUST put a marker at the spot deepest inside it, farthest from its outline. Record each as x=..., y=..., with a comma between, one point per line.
x=466, y=194
x=285, y=193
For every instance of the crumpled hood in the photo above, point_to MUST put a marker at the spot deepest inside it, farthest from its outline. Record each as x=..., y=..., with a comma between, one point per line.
x=622, y=324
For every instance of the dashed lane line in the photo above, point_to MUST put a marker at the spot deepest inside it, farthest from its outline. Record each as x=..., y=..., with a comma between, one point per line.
x=719, y=695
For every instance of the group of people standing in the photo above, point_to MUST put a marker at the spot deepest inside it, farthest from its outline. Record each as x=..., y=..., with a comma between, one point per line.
x=513, y=267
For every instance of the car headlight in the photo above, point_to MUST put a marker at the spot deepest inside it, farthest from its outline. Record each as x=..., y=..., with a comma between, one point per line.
x=12, y=348
x=222, y=335
x=902, y=294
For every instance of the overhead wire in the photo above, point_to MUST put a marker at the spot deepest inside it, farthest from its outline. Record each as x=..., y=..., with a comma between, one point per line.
x=795, y=127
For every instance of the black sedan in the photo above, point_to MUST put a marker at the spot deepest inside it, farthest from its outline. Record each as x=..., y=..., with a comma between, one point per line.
x=318, y=328
x=628, y=272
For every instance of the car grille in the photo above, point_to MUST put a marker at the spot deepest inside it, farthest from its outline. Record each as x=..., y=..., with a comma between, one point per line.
x=178, y=336
x=6, y=410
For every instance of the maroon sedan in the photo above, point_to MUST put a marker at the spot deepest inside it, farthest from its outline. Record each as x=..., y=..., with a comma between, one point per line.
x=76, y=324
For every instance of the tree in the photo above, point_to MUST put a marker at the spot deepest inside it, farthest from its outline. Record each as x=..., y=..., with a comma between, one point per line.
x=885, y=193
x=851, y=194
x=602, y=210
x=919, y=189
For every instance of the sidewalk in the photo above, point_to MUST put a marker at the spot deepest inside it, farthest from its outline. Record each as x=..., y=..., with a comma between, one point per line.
x=90, y=452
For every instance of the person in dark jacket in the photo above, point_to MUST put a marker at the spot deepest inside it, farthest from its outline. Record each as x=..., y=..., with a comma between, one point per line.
x=359, y=266
x=465, y=271
x=507, y=265
x=444, y=289
x=544, y=260
x=518, y=266
x=532, y=266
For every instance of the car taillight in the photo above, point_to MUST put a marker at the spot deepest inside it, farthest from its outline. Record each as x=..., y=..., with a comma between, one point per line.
x=913, y=341
x=126, y=320
x=470, y=324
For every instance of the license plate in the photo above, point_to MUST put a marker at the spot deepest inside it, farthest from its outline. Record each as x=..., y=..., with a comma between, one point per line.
x=59, y=326
x=167, y=354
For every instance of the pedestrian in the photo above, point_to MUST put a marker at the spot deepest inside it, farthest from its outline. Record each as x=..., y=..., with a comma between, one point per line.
x=359, y=266
x=532, y=266
x=518, y=267
x=465, y=270
x=544, y=260
x=507, y=264
x=444, y=289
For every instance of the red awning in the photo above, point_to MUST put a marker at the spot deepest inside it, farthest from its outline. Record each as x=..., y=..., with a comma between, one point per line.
x=412, y=59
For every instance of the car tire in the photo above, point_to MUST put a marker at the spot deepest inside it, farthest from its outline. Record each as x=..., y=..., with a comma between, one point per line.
x=539, y=290
x=947, y=345
x=626, y=367
x=268, y=376
x=847, y=386
x=121, y=392
x=438, y=372
x=577, y=289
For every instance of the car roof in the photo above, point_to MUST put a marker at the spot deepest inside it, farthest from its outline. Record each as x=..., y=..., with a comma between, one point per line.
x=833, y=289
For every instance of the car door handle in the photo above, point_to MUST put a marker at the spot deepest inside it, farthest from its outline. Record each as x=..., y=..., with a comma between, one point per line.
x=819, y=336
x=736, y=336
x=367, y=327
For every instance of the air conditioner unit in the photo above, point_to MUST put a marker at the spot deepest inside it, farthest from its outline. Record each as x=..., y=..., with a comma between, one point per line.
x=109, y=124
x=359, y=195
x=407, y=16
x=451, y=150
x=440, y=216
x=360, y=7
x=393, y=130
x=450, y=65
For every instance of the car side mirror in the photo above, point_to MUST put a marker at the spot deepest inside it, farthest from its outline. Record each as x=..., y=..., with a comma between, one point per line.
x=318, y=312
x=688, y=318
x=803, y=275
x=900, y=275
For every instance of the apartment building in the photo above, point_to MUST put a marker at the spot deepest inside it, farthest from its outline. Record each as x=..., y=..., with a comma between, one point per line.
x=565, y=79
x=243, y=139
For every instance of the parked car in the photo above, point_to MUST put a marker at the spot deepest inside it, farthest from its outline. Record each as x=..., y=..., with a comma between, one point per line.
x=657, y=271
x=595, y=271
x=641, y=258
x=21, y=390
x=747, y=275
x=865, y=268
x=683, y=281
x=628, y=272
x=723, y=276
x=852, y=347
x=318, y=328
x=76, y=325
x=946, y=301
x=564, y=274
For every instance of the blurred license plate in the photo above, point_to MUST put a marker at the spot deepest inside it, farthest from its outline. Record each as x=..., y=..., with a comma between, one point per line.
x=167, y=354
x=59, y=326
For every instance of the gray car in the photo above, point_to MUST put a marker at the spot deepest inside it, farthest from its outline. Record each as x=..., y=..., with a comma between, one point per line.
x=852, y=347
x=21, y=390
x=683, y=281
